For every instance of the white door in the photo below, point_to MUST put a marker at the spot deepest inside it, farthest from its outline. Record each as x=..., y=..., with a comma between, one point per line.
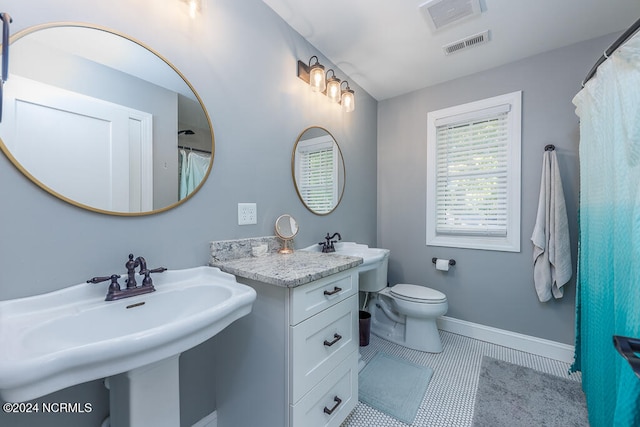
x=90, y=151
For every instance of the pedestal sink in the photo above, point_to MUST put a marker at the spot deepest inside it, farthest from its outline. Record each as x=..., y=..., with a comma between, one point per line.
x=67, y=337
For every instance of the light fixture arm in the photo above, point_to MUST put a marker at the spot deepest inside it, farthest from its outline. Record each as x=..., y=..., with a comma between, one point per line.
x=6, y=20
x=316, y=63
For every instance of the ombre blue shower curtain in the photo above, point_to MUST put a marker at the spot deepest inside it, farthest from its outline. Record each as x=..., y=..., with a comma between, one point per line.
x=608, y=297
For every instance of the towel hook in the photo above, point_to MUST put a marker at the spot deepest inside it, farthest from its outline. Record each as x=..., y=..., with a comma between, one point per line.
x=549, y=147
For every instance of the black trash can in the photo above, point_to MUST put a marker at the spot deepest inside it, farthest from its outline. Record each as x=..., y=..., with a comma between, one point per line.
x=365, y=327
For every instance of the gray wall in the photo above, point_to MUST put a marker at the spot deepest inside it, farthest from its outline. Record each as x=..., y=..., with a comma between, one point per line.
x=241, y=58
x=486, y=287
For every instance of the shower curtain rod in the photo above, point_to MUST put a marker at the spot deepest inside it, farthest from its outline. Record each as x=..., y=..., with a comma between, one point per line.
x=184, y=147
x=616, y=44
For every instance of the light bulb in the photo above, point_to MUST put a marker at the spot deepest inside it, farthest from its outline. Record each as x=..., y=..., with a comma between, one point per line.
x=317, y=79
x=333, y=89
x=348, y=100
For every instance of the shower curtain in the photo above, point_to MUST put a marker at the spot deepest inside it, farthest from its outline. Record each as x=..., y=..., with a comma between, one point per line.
x=192, y=169
x=608, y=299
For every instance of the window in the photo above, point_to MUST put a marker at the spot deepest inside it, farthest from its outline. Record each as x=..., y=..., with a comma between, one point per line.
x=473, y=175
x=317, y=173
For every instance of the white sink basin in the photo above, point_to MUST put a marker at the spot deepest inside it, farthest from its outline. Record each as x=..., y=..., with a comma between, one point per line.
x=370, y=256
x=67, y=337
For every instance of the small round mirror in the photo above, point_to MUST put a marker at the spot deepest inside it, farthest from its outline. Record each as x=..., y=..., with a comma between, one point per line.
x=286, y=229
x=318, y=170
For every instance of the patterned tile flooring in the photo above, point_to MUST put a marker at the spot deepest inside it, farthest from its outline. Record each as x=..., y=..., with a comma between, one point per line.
x=450, y=395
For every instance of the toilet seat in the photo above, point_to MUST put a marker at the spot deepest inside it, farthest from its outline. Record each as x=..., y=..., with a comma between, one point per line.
x=419, y=294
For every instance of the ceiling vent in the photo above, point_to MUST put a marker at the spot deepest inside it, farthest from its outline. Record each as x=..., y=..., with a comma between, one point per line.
x=440, y=13
x=466, y=43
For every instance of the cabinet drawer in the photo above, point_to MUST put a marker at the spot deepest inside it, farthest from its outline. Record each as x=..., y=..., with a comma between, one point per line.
x=310, y=299
x=320, y=343
x=336, y=394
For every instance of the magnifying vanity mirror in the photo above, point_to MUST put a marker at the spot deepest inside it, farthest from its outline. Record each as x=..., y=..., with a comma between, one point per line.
x=318, y=170
x=286, y=230
x=102, y=121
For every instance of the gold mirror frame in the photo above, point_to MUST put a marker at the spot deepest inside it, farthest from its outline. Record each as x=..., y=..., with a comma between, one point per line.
x=340, y=170
x=22, y=33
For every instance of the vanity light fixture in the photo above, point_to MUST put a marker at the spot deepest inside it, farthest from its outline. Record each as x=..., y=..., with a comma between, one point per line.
x=319, y=81
x=348, y=98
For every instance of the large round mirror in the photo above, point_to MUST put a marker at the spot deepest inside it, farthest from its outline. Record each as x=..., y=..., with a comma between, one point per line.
x=318, y=170
x=102, y=121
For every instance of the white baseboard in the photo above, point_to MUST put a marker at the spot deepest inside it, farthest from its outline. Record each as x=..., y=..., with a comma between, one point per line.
x=210, y=420
x=541, y=347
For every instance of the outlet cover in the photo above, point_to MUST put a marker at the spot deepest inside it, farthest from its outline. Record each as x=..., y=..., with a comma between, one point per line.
x=247, y=213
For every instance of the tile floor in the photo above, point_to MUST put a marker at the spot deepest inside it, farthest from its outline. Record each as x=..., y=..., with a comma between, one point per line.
x=450, y=396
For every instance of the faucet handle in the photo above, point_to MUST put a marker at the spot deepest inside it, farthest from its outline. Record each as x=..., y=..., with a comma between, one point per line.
x=147, y=281
x=114, y=286
x=98, y=279
x=113, y=278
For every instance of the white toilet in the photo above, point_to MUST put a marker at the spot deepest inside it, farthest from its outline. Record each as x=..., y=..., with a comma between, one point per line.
x=404, y=314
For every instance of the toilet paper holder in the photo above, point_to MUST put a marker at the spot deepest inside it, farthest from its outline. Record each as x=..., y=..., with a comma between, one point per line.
x=451, y=261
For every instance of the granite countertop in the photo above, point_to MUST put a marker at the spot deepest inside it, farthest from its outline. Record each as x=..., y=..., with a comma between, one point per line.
x=288, y=270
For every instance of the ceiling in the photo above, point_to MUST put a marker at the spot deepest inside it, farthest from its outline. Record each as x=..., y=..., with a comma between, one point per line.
x=388, y=48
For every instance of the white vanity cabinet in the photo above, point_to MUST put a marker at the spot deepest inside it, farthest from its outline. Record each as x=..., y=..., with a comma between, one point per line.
x=294, y=361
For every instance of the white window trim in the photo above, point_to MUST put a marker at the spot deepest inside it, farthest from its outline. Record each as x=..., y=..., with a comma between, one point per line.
x=511, y=242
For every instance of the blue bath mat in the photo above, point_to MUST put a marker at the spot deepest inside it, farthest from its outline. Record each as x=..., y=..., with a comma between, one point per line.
x=394, y=386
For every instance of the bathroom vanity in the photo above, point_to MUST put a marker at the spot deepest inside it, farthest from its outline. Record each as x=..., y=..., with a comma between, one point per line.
x=294, y=361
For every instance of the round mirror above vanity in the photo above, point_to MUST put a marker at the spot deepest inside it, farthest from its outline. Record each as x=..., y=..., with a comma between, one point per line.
x=318, y=170
x=102, y=121
x=286, y=230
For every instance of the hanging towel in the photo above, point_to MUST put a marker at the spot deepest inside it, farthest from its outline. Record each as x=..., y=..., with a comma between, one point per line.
x=551, y=248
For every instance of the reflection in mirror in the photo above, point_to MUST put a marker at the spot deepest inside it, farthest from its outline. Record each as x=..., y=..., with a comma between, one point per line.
x=286, y=229
x=318, y=170
x=102, y=121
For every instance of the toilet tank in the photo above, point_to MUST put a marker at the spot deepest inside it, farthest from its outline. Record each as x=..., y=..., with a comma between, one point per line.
x=373, y=277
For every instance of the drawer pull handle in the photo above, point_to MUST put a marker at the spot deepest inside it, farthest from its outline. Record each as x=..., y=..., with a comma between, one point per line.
x=334, y=291
x=337, y=337
x=330, y=411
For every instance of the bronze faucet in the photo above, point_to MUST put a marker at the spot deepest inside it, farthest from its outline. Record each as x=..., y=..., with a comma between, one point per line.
x=328, y=244
x=115, y=293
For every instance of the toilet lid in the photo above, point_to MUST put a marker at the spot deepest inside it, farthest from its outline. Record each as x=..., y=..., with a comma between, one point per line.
x=417, y=293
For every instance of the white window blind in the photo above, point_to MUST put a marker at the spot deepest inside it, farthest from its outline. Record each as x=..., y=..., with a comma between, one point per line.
x=473, y=179
x=471, y=186
x=316, y=176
